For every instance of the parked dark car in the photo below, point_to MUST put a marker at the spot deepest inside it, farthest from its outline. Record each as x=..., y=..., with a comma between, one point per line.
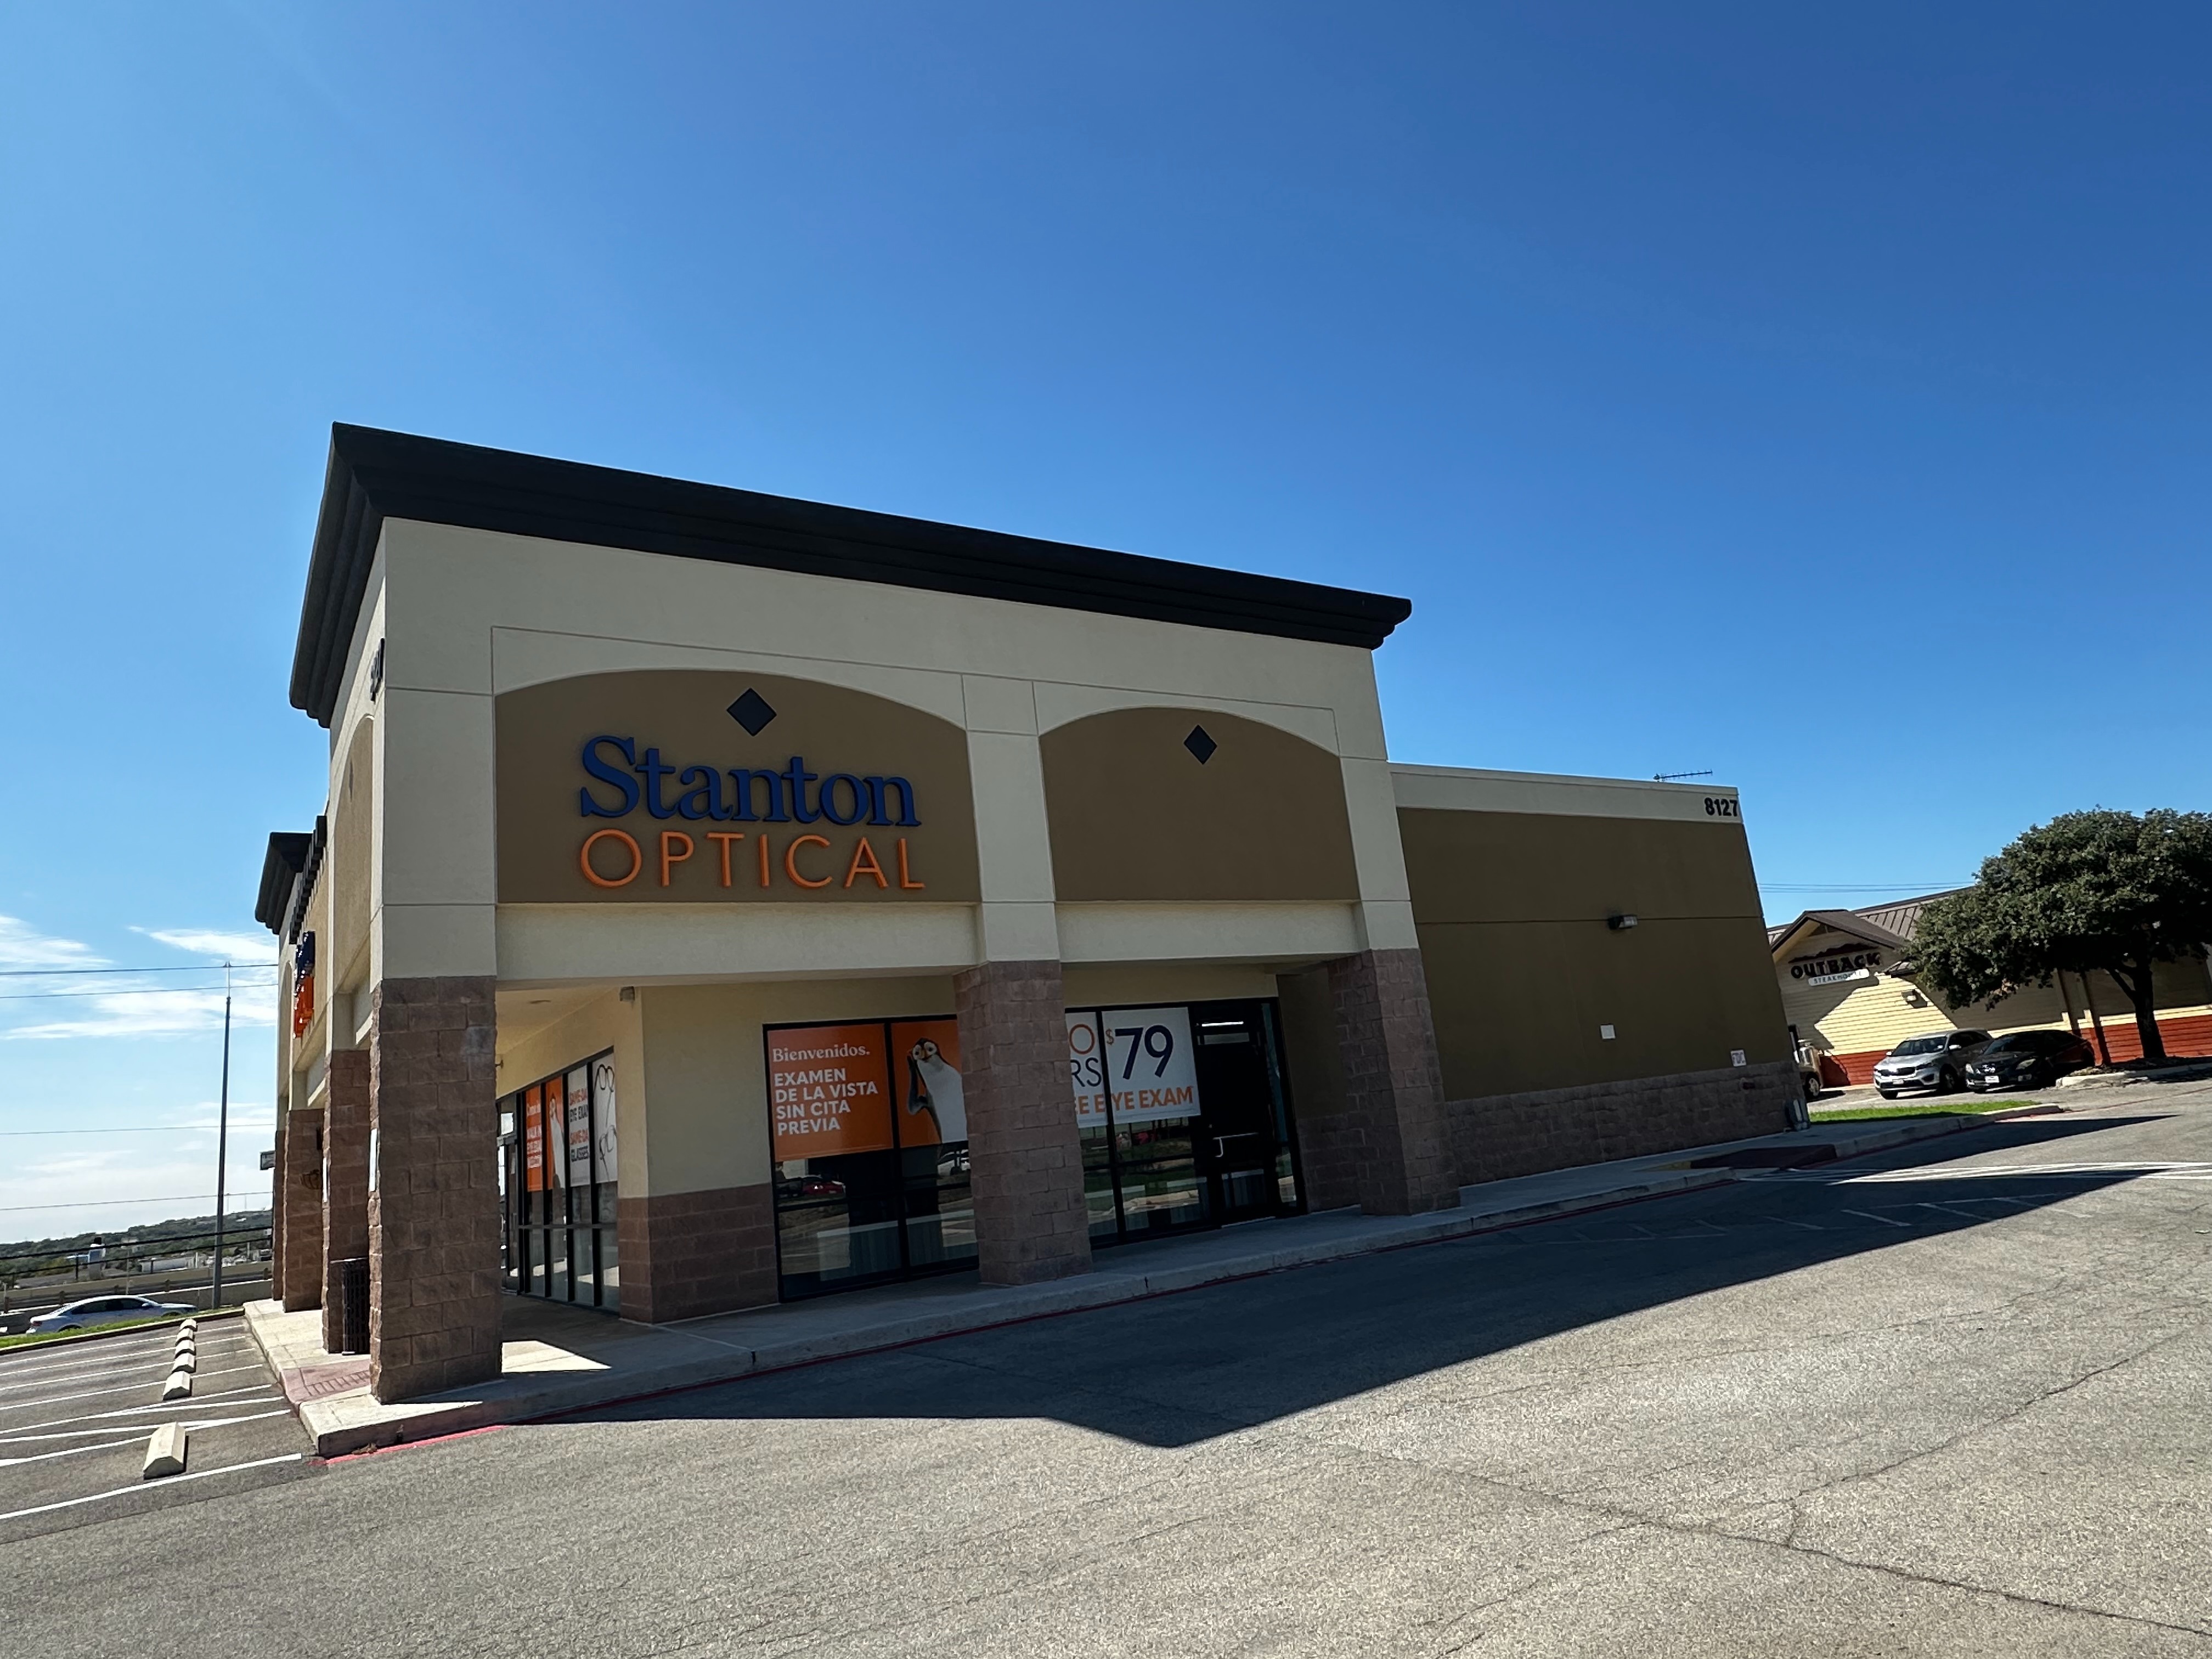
x=2028, y=1060
x=1936, y=1061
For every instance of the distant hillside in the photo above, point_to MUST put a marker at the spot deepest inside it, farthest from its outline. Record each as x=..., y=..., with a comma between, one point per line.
x=241, y=1221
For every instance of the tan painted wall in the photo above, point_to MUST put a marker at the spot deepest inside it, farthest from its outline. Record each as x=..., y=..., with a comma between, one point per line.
x=1135, y=815
x=1523, y=971
x=348, y=868
x=682, y=714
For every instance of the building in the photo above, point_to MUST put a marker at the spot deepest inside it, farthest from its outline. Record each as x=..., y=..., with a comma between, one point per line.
x=1847, y=996
x=724, y=898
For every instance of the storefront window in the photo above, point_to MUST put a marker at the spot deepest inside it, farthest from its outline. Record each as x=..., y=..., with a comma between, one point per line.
x=1183, y=1115
x=1179, y=1110
x=560, y=1183
x=870, y=1130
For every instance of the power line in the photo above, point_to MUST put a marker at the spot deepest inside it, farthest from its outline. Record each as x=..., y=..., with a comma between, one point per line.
x=106, y=1203
x=190, y=968
x=149, y=991
x=147, y=1129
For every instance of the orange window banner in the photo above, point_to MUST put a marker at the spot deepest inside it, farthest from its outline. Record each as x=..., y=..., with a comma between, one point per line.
x=932, y=1106
x=533, y=1140
x=556, y=1131
x=829, y=1089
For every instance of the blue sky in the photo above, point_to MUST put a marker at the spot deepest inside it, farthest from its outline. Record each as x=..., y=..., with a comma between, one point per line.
x=1817, y=397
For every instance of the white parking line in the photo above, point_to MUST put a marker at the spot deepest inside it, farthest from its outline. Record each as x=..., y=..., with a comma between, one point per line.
x=1870, y=1215
x=93, y=1394
x=1949, y=1210
x=159, y=1359
x=2153, y=1169
x=136, y=1411
x=76, y=1451
x=174, y=1480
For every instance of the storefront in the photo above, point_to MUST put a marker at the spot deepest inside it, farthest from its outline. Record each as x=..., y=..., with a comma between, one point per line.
x=930, y=900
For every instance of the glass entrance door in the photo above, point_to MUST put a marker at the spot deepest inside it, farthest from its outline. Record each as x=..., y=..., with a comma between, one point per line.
x=1242, y=1138
x=1183, y=1117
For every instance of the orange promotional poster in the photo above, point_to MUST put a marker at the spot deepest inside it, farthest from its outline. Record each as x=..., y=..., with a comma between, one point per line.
x=557, y=1132
x=829, y=1090
x=932, y=1108
x=533, y=1140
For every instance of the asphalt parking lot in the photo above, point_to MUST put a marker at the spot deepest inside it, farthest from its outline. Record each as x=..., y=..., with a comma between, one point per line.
x=1948, y=1400
x=75, y=1420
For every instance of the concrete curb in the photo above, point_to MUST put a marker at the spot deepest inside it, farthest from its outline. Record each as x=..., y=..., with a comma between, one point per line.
x=179, y=1387
x=516, y=1399
x=165, y=1453
x=339, y=1430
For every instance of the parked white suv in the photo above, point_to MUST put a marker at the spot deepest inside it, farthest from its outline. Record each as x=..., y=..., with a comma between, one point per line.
x=1936, y=1061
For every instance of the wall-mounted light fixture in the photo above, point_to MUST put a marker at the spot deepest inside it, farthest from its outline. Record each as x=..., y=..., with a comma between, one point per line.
x=1620, y=922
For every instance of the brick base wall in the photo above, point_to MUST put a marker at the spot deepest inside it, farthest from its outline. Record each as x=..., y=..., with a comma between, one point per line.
x=343, y=1232
x=434, y=1206
x=1500, y=1136
x=300, y=1211
x=1384, y=1143
x=685, y=1254
x=1025, y=1159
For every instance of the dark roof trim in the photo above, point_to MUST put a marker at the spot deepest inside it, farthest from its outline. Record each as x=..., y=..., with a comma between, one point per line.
x=375, y=475
x=1841, y=922
x=280, y=866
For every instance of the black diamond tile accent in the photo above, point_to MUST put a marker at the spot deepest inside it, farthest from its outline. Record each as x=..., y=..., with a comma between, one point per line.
x=753, y=712
x=1201, y=744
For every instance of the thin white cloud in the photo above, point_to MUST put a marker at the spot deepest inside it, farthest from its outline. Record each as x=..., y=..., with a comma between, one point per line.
x=242, y=948
x=22, y=945
x=120, y=1187
x=162, y=1013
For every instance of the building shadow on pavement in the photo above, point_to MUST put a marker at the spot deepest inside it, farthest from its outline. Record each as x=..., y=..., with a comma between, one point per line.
x=1176, y=1369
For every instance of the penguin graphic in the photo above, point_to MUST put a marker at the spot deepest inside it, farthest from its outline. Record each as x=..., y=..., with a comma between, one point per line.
x=934, y=1087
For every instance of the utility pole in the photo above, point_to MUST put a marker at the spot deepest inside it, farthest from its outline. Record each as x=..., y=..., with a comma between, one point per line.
x=222, y=1139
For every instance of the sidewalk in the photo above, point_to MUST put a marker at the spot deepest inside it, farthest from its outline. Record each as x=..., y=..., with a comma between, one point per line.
x=558, y=1359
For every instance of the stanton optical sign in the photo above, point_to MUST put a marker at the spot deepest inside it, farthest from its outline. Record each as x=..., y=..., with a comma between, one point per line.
x=684, y=786
x=633, y=779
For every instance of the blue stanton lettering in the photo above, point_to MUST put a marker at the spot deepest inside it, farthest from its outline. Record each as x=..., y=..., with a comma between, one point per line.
x=755, y=795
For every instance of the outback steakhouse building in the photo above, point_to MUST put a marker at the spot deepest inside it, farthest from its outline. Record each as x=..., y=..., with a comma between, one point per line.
x=724, y=899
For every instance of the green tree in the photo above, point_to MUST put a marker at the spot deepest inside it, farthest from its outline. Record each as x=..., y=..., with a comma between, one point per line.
x=2088, y=892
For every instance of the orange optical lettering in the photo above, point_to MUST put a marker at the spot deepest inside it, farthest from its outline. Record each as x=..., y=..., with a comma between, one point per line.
x=864, y=864
x=669, y=856
x=636, y=858
x=764, y=860
x=906, y=876
x=790, y=861
x=725, y=837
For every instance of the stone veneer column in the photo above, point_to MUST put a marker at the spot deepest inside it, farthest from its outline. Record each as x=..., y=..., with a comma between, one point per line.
x=434, y=1194
x=300, y=1211
x=344, y=1231
x=1391, y=1130
x=1025, y=1160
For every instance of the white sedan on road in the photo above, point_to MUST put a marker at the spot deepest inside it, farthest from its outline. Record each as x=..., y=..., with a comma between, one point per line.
x=105, y=1310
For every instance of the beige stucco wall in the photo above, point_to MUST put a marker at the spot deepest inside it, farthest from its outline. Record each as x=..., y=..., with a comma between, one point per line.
x=469, y=614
